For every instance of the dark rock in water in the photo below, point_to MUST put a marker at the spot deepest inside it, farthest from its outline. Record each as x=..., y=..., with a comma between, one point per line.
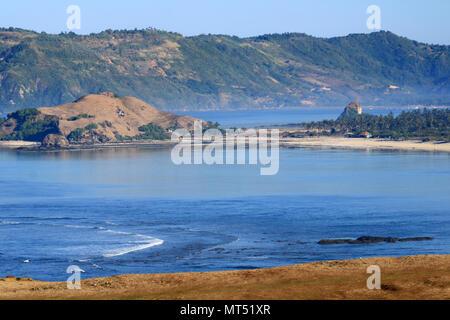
x=334, y=241
x=416, y=239
x=55, y=141
x=370, y=239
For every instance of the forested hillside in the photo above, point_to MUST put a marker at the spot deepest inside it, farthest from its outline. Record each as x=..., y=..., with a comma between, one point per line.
x=217, y=71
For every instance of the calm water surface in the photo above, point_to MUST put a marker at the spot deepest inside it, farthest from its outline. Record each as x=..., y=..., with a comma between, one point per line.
x=251, y=118
x=133, y=211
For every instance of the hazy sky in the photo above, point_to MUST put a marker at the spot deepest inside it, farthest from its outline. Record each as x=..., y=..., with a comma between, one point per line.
x=426, y=21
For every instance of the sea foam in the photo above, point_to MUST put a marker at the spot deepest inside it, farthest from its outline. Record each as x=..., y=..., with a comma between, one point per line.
x=119, y=252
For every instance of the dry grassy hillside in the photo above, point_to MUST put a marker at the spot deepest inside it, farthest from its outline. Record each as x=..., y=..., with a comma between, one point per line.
x=113, y=115
x=94, y=118
x=414, y=277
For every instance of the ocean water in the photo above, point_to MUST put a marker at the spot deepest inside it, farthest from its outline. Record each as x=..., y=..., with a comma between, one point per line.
x=251, y=118
x=133, y=211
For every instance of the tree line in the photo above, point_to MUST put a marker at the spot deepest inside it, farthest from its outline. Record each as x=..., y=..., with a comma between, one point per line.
x=423, y=124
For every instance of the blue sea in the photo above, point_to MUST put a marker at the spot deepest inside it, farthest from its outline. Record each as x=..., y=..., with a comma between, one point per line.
x=121, y=211
x=252, y=118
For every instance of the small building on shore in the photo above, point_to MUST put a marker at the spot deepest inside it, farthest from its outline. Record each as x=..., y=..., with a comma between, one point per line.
x=366, y=134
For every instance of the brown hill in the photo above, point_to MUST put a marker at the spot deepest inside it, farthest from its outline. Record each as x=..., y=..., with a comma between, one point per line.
x=94, y=118
x=113, y=116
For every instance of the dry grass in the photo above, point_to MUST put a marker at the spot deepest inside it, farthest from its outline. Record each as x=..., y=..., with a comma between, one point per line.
x=414, y=277
x=105, y=107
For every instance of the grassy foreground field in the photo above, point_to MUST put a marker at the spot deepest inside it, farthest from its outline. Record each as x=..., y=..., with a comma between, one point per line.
x=411, y=277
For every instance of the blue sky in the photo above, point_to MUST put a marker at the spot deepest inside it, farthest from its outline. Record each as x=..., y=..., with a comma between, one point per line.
x=426, y=21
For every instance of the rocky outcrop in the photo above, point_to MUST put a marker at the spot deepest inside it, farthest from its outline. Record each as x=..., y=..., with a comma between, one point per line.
x=370, y=239
x=55, y=141
x=352, y=110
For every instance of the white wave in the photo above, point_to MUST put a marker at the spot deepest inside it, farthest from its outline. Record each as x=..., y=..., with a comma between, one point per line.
x=117, y=232
x=9, y=222
x=77, y=226
x=258, y=257
x=144, y=241
x=120, y=252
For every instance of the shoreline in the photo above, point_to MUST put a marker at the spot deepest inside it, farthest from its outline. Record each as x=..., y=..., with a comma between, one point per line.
x=308, y=107
x=365, y=144
x=15, y=144
x=410, y=277
x=321, y=142
x=36, y=146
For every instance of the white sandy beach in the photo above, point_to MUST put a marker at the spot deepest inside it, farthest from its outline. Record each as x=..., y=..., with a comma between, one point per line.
x=18, y=144
x=310, y=142
x=365, y=144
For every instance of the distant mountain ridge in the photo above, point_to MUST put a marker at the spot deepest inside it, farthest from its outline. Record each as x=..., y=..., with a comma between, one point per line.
x=174, y=72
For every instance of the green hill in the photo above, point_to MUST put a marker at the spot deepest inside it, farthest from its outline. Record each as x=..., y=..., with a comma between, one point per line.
x=217, y=71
